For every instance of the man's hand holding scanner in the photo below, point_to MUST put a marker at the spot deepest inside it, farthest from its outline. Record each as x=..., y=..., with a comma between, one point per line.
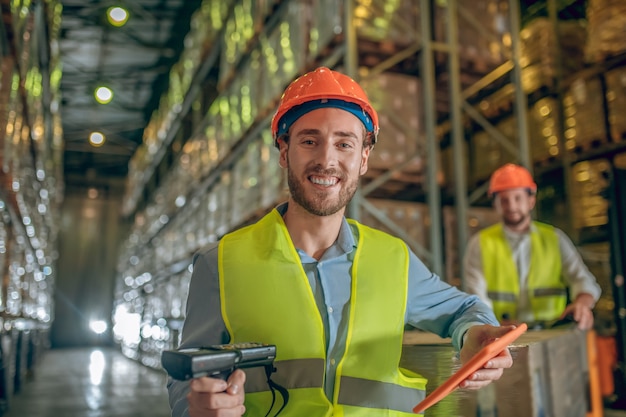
x=213, y=397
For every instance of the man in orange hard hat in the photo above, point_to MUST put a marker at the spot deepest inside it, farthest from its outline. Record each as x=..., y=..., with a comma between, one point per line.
x=331, y=294
x=523, y=268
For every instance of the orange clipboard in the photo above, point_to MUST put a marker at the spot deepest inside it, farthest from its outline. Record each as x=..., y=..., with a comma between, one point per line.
x=478, y=361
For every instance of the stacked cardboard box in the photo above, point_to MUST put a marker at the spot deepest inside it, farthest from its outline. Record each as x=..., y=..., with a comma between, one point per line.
x=398, y=100
x=477, y=219
x=548, y=378
x=488, y=154
x=483, y=32
x=410, y=218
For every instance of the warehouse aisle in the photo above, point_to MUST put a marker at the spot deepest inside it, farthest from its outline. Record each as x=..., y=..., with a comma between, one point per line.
x=91, y=383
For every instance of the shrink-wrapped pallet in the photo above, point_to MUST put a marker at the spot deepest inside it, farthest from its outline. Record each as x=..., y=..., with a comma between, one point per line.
x=247, y=183
x=244, y=23
x=607, y=29
x=326, y=24
x=395, y=22
x=283, y=54
x=539, y=45
x=273, y=177
x=616, y=102
x=582, y=105
x=590, y=182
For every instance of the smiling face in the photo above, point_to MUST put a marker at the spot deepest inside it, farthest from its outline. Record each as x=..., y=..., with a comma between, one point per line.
x=324, y=158
x=514, y=207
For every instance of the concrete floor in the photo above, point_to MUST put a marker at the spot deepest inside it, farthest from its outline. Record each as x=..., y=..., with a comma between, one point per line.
x=91, y=383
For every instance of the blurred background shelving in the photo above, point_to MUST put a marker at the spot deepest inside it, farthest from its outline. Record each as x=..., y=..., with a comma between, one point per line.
x=461, y=87
x=206, y=165
x=31, y=147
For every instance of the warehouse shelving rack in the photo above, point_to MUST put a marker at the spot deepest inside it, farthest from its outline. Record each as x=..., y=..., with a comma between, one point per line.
x=32, y=186
x=434, y=56
x=345, y=49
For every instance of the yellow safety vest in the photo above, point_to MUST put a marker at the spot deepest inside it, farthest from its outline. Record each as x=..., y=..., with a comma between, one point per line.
x=546, y=291
x=266, y=297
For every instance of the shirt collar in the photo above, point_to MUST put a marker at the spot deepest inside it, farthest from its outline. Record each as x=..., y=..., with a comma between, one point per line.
x=345, y=242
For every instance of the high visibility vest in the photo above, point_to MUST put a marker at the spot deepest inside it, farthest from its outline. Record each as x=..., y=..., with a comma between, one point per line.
x=546, y=291
x=266, y=297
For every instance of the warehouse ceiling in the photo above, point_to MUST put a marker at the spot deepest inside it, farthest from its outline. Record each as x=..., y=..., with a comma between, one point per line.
x=134, y=61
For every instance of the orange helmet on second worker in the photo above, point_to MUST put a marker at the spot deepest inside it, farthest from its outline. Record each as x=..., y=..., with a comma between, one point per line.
x=511, y=176
x=320, y=88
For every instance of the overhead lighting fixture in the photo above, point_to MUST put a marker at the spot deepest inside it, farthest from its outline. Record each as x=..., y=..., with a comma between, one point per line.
x=96, y=139
x=103, y=95
x=117, y=16
x=98, y=326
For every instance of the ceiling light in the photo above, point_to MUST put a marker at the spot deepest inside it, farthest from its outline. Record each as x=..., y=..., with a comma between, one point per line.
x=103, y=95
x=98, y=326
x=96, y=139
x=117, y=16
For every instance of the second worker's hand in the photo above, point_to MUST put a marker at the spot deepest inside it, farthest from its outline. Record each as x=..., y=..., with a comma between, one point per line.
x=581, y=311
x=477, y=338
x=212, y=397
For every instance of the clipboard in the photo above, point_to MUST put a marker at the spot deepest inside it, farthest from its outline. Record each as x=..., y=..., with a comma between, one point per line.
x=478, y=361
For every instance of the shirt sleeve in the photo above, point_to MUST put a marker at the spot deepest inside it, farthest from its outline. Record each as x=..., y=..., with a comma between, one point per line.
x=203, y=325
x=576, y=274
x=474, y=281
x=435, y=306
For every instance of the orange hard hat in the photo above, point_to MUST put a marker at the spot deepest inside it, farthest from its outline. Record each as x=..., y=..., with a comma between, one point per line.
x=320, y=88
x=511, y=176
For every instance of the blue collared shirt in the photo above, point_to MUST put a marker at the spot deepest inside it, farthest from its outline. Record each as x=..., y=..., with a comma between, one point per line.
x=432, y=305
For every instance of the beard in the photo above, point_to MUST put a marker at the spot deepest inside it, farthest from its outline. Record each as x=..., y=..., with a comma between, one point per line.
x=514, y=222
x=319, y=203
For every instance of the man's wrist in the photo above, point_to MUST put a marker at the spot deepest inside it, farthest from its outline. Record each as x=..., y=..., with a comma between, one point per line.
x=586, y=300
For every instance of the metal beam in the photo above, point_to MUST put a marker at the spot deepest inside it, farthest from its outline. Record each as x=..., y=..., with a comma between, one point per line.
x=521, y=101
x=566, y=157
x=490, y=129
x=458, y=140
x=394, y=59
x=432, y=143
x=399, y=231
x=351, y=62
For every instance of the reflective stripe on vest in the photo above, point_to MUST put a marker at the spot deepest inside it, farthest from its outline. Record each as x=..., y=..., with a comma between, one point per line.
x=266, y=297
x=546, y=290
x=354, y=391
x=502, y=296
x=297, y=373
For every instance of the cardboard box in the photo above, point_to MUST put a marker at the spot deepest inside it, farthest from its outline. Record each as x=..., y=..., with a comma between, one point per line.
x=548, y=377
